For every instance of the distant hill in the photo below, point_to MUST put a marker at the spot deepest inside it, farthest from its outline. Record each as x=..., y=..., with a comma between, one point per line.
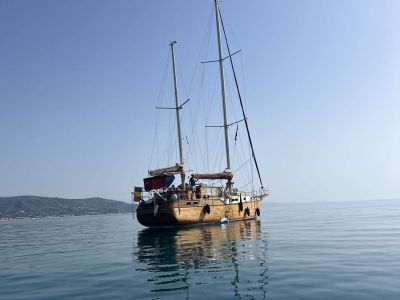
x=34, y=207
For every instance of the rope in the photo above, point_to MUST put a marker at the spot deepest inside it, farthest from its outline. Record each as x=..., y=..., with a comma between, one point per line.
x=160, y=96
x=240, y=98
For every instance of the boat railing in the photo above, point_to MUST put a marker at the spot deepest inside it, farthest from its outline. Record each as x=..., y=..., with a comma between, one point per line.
x=262, y=192
x=203, y=191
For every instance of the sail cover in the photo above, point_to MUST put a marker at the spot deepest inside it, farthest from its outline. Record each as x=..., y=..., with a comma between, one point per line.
x=222, y=175
x=158, y=182
x=167, y=171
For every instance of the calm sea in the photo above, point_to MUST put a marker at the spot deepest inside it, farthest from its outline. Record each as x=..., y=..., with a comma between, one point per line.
x=295, y=251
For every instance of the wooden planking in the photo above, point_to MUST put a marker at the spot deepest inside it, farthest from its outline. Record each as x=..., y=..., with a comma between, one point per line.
x=185, y=212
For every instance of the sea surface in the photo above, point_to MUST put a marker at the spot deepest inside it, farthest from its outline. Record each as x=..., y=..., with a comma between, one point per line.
x=294, y=251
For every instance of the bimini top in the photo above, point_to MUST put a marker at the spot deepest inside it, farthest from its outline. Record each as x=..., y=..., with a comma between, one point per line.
x=158, y=182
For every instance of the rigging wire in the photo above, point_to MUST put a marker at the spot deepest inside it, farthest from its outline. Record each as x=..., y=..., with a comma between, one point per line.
x=243, y=163
x=240, y=98
x=195, y=147
x=208, y=101
x=159, y=98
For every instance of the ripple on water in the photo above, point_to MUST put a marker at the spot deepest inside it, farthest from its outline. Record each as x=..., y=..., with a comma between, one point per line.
x=297, y=251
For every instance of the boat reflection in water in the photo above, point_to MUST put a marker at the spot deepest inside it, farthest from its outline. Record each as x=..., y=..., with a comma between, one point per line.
x=226, y=260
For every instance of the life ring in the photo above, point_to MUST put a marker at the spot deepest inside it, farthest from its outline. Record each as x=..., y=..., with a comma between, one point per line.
x=247, y=211
x=257, y=211
x=207, y=209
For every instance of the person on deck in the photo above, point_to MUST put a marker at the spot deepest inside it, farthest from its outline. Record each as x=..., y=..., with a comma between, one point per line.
x=192, y=182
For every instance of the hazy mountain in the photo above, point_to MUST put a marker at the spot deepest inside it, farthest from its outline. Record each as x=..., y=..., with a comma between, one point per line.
x=34, y=206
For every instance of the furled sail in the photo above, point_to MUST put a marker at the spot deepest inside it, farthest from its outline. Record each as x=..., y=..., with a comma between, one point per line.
x=178, y=168
x=227, y=174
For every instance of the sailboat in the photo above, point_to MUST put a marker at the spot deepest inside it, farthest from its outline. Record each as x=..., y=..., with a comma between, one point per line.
x=161, y=204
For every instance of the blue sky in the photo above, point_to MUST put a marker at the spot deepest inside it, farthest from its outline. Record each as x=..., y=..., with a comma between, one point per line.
x=79, y=81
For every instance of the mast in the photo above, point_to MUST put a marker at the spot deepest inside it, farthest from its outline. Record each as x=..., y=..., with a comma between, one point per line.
x=177, y=107
x=240, y=99
x=221, y=71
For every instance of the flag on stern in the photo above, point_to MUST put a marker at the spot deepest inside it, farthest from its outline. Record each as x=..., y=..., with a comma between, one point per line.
x=137, y=194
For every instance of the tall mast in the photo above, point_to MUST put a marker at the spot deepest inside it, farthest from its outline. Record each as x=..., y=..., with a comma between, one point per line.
x=177, y=107
x=221, y=71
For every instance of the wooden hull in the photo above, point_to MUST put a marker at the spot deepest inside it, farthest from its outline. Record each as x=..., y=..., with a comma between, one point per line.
x=187, y=212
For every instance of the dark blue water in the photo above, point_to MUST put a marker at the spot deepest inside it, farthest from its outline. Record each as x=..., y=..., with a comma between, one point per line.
x=295, y=251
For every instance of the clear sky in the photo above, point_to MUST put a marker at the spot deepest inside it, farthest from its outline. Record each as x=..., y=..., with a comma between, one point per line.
x=79, y=81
